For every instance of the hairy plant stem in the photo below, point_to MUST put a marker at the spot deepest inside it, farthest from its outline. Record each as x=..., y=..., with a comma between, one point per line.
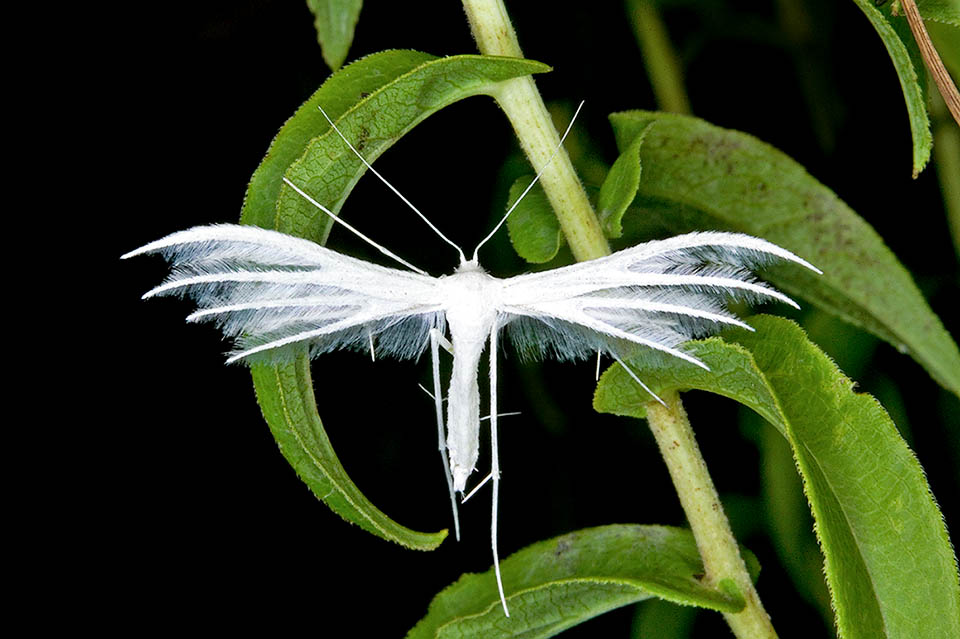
x=723, y=565
x=526, y=111
x=521, y=101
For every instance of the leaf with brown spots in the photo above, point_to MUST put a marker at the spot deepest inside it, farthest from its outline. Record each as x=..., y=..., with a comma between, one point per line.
x=697, y=176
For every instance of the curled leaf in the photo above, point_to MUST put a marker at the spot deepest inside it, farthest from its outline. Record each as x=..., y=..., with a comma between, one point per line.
x=376, y=101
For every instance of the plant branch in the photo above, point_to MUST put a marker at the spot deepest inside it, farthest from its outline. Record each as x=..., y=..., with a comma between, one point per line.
x=932, y=59
x=521, y=101
x=724, y=567
x=524, y=107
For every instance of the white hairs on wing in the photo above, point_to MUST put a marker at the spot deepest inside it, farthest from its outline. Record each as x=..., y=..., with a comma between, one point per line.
x=655, y=295
x=274, y=293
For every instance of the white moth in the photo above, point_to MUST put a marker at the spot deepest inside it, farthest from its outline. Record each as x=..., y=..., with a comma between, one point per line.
x=276, y=294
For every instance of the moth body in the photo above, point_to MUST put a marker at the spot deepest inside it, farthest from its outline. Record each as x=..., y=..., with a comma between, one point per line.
x=472, y=299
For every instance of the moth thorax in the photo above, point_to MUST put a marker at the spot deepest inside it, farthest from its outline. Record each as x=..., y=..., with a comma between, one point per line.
x=471, y=299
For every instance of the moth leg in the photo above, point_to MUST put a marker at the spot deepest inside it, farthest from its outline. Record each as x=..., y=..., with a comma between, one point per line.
x=477, y=487
x=495, y=464
x=442, y=340
x=373, y=355
x=637, y=379
x=510, y=414
x=435, y=337
x=483, y=482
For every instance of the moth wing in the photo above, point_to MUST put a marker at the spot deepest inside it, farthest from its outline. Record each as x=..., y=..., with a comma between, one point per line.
x=650, y=298
x=275, y=294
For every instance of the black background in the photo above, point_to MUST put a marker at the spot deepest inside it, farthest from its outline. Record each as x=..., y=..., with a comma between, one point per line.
x=188, y=510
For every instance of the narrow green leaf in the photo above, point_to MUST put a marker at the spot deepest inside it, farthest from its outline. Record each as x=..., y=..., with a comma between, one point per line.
x=376, y=100
x=896, y=37
x=620, y=187
x=699, y=176
x=533, y=227
x=889, y=563
x=335, y=21
x=558, y=583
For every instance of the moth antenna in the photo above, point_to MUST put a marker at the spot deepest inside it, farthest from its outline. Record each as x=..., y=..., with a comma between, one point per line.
x=391, y=187
x=530, y=186
x=363, y=237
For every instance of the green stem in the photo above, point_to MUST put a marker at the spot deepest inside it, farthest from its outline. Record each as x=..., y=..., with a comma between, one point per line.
x=659, y=57
x=724, y=568
x=524, y=107
x=521, y=101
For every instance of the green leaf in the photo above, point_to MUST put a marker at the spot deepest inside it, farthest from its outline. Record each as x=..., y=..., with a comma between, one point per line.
x=888, y=560
x=335, y=21
x=699, y=176
x=533, y=227
x=620, y=187
x=375, y=101
x=338, y=94
x=558, y=583
x=903, y=52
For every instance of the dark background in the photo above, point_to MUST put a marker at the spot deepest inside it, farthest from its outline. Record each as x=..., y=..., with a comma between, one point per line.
x=195, y=518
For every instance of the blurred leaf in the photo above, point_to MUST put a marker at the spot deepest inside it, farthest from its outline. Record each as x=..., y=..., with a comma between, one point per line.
x=561, y=582
x=335, y=21
x=699, y=176
x=946, y=39
x=659, y=619
x=375, y=101
x=788, y=519
x=533, y=227
x=947, y=11
x=888, y=560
